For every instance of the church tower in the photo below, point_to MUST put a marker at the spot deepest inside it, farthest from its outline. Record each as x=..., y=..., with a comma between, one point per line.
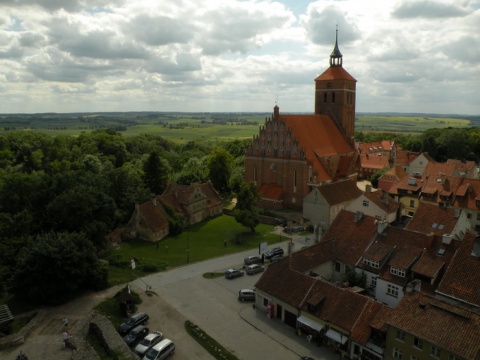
x=335, y=93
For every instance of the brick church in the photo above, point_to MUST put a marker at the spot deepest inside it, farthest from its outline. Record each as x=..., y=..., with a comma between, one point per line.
x=293, y=154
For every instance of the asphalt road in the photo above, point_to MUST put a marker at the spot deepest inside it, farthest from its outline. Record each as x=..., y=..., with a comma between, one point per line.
x=184, y=294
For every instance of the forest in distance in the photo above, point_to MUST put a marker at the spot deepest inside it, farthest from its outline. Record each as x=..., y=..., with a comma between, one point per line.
x=66, y=190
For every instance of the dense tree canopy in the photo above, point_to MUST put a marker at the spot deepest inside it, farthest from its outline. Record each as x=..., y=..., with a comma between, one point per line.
x=55, y=267
x=246, y=210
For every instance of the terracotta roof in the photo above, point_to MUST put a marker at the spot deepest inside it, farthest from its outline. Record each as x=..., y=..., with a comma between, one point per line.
x=378, y=251
x=406, y=184
x=279, y=281
x=379, y=322
x=362, y=329
x=152, y=216
x=340, y=191
x=433, y=219
x=390, y=177
x=271, y=191
x=405, y=157
x=405, y=256
x=374, y=161
x=319, y=137
x=462, y=277
x=435, y=170
x=339, y=306
x=312, y=256
x=383, y=201
x=335, y=73
x=350, y=237
x=444, y=325
x=467, y=195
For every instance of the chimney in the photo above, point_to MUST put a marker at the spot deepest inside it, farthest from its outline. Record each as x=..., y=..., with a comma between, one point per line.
x=381, y=226
x=384, y=197
x=154, y=200
x=358, y=216
x=368, y=189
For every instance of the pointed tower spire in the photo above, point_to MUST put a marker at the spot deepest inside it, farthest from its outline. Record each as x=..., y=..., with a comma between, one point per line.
x=336, y=57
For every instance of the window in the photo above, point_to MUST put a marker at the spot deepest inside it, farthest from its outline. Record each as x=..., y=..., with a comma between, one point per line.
x=365, y=203
x=397, y=271
x=392, y=290
x=435, y=351
x=413, y=358
x=294, y=180
x=418, y=343
x=453, y=357
x=337, y=266
x=412, y=203
x=397, y=354
x=325, y=97
x=371, y=263
x=265, y=301
x=400, y=335
x=374, y=282
x=333, y=97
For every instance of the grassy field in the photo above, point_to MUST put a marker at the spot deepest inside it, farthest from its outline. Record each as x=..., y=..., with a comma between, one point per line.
x=404, y=124
x=194, y=126
x=199, y=242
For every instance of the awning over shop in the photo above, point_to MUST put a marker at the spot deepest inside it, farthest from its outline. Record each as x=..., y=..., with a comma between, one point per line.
x=336, y=336
x=310, y=323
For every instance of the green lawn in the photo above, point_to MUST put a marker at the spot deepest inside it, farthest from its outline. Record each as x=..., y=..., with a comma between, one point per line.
x=199, y=242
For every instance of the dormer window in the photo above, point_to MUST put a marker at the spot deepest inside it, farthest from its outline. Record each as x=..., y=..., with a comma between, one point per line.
x=397, y=271
x=372, y=263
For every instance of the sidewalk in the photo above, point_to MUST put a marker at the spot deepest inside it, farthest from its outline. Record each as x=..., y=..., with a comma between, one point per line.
x=285, y=335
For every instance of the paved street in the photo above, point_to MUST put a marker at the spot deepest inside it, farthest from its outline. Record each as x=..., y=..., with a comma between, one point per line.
x=184, y=294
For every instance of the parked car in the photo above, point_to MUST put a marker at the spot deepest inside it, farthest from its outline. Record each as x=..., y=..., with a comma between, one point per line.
x=134, y=320
x=254, y=269
x=273, y=252
x=233, y=273
x=246, y=295
x=249, y=260
x=161, y=351
x=276, y=258
x=135, y=335
x=148, y=342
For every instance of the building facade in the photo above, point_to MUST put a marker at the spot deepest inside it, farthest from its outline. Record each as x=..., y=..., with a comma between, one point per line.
x=294, y=153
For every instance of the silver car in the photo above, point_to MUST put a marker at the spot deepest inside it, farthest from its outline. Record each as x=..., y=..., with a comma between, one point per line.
x=148, y=341
x=249, y=260
x=254, y=269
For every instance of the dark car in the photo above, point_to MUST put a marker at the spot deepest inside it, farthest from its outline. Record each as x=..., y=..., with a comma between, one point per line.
x=135, y=335
x=246, y=295
x=249, y=260
x=273, y=252
x=134, y=320
x=254, y=269
x=148, y=342
x=276, y=258
x=233, y=273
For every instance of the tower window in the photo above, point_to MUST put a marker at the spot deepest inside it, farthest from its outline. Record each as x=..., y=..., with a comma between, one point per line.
x=325, y=97
x=333, y=97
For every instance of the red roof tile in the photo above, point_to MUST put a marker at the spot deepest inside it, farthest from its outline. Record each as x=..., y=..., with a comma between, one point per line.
x=335, y=73
x=462, y=277
x=446, y=326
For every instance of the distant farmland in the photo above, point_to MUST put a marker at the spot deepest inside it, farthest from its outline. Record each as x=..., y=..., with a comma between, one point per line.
x=193, y=126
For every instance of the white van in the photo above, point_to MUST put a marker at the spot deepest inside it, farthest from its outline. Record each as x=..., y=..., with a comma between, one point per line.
x=161, y=351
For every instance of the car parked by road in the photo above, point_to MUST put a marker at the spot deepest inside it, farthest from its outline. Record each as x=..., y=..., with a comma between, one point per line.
x=161, y=351
x=148, y=342
x=134, y=320
x=273, y=252
x=254, y=259
x=246, y=295
x=233, y=273
x=276, y=258
x=135, y=335
x=254, y=269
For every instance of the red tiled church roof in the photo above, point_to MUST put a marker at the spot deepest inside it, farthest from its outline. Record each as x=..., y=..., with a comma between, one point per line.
x=335, y=73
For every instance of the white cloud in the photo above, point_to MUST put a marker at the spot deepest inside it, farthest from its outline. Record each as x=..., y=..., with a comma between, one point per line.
x=232, y=55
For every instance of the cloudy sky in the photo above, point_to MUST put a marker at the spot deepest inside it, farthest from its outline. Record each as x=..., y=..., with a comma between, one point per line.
x=232, y=55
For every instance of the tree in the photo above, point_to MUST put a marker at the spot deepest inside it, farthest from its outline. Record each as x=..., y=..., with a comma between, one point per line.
x=376, y=175
x=55, y=267
x=246, y=211
x=156, y=174
x=219, y=168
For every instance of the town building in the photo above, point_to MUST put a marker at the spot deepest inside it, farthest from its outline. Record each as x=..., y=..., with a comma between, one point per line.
x=295, y=153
